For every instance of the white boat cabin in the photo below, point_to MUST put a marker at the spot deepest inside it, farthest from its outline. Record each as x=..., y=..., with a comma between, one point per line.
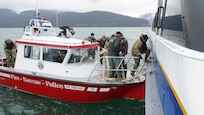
x=41, y=51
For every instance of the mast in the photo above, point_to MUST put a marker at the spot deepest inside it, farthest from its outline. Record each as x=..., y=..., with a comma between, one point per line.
x=57, y=24
x=37, y=12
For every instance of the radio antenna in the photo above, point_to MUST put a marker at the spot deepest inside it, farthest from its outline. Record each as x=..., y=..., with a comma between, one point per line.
x=37, y=12
x=57, y=21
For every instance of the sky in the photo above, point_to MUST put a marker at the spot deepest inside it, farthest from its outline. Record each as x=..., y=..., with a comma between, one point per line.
x=133, y=8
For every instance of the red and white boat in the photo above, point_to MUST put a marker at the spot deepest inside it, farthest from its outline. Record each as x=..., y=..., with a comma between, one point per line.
x=59, y=67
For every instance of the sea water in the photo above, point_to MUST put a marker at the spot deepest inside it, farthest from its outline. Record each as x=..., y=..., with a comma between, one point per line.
x=14, y=102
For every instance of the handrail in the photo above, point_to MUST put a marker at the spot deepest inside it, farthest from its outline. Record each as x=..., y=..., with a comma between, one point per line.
x=2, y=59
x=128, y=62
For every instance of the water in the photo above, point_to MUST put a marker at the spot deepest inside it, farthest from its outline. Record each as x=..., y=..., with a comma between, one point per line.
x=14, y=102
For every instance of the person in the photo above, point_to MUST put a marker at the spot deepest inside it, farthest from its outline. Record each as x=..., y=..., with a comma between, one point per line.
x=124, y=51
x=139, y=48
x=105, y=53
x=10, y=51
x=102, y=42
x=106, y=46
x=92, y=51
x=123, y=45
x=114, y=50
x=91, y=38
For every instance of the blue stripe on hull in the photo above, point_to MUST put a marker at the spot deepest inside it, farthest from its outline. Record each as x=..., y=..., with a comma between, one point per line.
x=168, y=100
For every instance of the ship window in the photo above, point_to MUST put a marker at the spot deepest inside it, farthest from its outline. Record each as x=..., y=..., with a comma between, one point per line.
x=54, y=55
x=32, y=52
x=173, y=27
x=79, y=55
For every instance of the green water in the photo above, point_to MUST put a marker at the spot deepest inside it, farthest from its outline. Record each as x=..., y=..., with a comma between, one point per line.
x=14, y=102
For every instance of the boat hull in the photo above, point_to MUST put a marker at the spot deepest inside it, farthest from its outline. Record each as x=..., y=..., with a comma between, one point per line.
x=179, y=76
x=83, y=92
x=169, y=102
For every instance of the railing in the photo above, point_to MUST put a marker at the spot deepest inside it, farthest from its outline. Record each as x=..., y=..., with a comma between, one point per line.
x=129, y=61
x=41, y=31
x=1, y=59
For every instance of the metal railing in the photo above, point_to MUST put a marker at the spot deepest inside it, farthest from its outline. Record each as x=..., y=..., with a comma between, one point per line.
x=1, y=59
x=124, y=60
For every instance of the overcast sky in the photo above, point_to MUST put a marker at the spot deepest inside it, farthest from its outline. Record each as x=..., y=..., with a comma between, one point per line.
x=133, y=8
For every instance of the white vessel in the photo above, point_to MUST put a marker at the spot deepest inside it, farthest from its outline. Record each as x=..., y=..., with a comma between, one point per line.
x=178, y=53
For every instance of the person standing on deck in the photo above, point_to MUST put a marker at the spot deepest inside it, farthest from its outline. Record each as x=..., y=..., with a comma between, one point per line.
x=105, y=53
x=139, y=48
x=124, y=51
x=114, y=50
x=92, y=51
x=102, y=42
x=10, y=51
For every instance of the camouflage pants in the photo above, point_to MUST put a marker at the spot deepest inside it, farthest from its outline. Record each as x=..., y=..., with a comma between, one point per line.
x=10, y=57
x=137, y=59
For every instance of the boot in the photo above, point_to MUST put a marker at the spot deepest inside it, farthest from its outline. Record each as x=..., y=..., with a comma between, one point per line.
x=120, y=78
x=147, y=60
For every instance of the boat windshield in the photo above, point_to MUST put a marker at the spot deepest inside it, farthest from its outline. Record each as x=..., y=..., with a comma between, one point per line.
x=80, y=55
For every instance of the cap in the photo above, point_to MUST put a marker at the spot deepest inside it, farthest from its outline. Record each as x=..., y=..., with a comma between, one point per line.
x=92, y=34
x=118, y=32
x=145, y=36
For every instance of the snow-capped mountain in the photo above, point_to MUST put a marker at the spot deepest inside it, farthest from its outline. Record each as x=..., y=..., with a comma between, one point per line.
x=148, y=16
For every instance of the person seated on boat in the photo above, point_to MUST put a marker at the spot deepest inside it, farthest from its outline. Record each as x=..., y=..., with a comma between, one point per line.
x=124, y=51
x=91, y=51
x=10, y=51
x=114, y=50
x=139, y=48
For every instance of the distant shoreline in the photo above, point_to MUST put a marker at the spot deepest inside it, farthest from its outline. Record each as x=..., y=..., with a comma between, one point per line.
x=10, y=19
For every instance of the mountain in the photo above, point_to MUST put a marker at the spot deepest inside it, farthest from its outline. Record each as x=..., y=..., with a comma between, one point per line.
x=148, y=16
x=10, y=18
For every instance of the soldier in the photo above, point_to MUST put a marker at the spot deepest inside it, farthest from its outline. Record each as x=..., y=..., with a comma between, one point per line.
x=92, y=51
x=139, y=48
x=9, y=48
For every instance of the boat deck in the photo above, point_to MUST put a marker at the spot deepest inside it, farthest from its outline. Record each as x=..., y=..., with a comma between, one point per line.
x=153, y=104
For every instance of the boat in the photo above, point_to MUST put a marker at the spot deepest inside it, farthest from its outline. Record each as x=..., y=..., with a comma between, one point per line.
x=178, y=55
x=60, y=67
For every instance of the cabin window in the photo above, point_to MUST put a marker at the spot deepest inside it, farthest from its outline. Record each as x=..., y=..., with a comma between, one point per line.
x=79, y=55
x=173, y=27
x=54, y=55
x=32, y=52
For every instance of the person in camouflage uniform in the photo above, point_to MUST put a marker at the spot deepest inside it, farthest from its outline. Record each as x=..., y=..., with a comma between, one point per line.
x=9, y=48
x=139, y=48
x=91, y=51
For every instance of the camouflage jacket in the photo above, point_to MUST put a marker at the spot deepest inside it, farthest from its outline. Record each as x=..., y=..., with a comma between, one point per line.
x=139, y=47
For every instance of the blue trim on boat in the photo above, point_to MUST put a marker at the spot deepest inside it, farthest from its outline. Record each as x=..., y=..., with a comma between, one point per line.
x=168, y=100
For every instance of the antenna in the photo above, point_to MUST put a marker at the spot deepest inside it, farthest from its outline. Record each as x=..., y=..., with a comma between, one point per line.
x=57, y=21
x=37, y=12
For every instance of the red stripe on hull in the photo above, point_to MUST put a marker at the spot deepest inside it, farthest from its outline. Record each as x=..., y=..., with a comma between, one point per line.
x=60, y=46
x=69, y=91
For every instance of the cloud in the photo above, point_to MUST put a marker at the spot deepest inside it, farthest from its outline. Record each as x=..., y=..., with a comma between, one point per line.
x=133, y=8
